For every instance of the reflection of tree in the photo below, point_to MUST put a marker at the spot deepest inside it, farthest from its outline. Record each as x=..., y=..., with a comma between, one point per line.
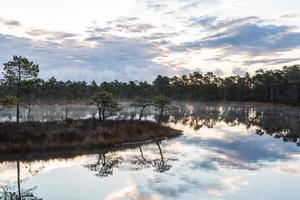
x=6, y=192
x=10, y=193
x=141, y=162
x=19, y=181
x=33, y=171
x=162, y=164
x=274, y=122
x=104, y=165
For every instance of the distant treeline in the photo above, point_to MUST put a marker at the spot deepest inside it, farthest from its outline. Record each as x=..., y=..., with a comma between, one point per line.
x=267, y=86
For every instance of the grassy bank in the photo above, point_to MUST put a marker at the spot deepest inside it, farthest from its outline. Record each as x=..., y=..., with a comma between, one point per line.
x=91, y=133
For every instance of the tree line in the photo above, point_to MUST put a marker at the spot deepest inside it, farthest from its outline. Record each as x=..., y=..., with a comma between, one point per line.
x=280, y=85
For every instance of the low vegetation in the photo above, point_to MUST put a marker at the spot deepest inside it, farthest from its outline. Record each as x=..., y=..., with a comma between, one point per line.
x=72, y=134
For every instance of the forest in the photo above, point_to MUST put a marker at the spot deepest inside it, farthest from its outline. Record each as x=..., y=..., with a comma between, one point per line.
x=280, y=85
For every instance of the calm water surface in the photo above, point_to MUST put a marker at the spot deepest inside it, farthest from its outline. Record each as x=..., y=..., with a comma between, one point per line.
x=225, y=152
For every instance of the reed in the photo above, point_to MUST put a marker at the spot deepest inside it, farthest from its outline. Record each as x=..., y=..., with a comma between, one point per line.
x=73, y=134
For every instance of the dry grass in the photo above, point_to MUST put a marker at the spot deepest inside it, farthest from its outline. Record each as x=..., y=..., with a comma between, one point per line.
x=30, y=136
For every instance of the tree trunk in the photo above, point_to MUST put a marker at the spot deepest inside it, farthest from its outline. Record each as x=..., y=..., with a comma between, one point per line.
x=29, y=111
x=277, y=93
x=141, y=113
x=160, y=114
x=295, y=95
x=19, y=182
x=66, y=117
x=99, y=113
x=225, y=94
x=18, y=96
x=265, y=88
x=103, y=113
x=272, y=94
x=18, y=111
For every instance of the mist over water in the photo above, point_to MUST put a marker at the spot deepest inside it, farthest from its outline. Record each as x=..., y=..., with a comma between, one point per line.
x=226, y=151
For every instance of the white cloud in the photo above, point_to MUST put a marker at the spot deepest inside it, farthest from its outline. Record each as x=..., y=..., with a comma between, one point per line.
x=63, y=15
x=137, y=39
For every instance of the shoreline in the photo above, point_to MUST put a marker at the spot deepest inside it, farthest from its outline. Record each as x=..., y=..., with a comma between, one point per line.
x=87, y=134
x=44, y=155
x=250, y=103
x=127, y=101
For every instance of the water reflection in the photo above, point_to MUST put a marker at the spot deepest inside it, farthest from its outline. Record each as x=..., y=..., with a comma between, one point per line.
x=102, y=165
x=277, y=122
x=105, y=164
x=226, y=152
x=17, y=192
x=160, y=164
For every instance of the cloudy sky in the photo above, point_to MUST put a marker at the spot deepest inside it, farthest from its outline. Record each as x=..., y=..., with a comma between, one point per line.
x=139, y=39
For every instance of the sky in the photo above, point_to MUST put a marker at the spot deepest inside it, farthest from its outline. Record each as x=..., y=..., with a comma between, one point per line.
x=138, y=39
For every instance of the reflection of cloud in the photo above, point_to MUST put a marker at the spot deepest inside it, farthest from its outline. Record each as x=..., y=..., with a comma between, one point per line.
x=220, y=131
x=8, y=170
x=215, y=191
x=175, y=186
x=234, y=183
x=203, y=165
x=131, y=193
x=246, y=149
x=287, y=168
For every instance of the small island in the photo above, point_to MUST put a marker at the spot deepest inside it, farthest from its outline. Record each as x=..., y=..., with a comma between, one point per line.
x=74, y=134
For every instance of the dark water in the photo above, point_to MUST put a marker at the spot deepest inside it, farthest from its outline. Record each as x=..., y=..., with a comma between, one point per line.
x=226, y=152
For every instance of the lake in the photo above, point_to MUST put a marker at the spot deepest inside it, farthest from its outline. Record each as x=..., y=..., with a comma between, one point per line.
x=227, y=151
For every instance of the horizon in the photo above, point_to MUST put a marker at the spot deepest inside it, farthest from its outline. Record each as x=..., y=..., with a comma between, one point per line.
x=97, y=40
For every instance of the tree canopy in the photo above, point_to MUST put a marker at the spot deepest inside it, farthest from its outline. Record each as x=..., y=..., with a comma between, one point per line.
x=7, y=101
x=17, y=73
x=105, y=103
